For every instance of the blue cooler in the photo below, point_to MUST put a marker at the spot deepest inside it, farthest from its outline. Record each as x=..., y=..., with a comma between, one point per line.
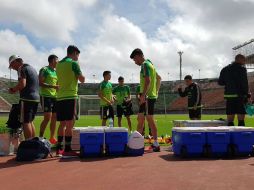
x=242, y=139
x=116, y=139
x=91, y=141
x=136, y=145
x=218, y=141
x=188, y=141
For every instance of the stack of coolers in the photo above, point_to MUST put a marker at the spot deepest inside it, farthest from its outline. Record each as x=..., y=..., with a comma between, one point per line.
x=111, y=141
x=213, y=141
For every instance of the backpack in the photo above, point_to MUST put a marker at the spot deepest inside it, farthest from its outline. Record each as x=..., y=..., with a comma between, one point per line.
x=33, y=149
x=13, y=120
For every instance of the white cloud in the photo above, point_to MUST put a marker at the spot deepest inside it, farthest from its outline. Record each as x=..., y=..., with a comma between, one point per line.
x=54, y=20
x=205, y=30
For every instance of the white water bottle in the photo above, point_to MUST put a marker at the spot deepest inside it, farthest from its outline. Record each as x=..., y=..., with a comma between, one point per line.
x=111, y=122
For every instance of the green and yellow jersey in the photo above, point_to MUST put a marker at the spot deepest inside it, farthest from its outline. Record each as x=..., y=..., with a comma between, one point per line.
x=121, y=93
x=67, y=71
x=50, y=78
x=106, y=90
x=148, y=70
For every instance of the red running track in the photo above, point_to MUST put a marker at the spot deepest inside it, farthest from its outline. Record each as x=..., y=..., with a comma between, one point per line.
x=150, y=172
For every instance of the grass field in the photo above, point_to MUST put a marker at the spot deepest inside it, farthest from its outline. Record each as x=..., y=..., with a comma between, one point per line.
x=164, y=123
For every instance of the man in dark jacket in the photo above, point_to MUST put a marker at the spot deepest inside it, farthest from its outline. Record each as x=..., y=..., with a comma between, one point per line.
x=194, y=98
x=234, y=78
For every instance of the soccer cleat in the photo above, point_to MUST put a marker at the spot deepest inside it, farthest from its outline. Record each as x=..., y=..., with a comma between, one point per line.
x=52, y=140
x=156, y=147
x=70, y=154
x=59, y=152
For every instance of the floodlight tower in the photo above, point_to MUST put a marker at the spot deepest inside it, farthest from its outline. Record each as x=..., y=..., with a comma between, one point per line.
x=180, y=55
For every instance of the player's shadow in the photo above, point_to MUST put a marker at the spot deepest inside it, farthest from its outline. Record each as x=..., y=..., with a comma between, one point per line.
x=172, y=158
x=13, y=163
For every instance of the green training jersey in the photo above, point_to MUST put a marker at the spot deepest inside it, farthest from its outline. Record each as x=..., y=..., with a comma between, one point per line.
x=121, y=92
x=67, y=71
x=50, y=78
x=148, y=70
x=106, y=89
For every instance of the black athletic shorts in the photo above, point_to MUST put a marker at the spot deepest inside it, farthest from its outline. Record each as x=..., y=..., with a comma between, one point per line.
x=235, y=106
x=107, y=112
x=28, y=110
x=48, y=104
x=147, y=107
x=126, y=111
x=66, y=110
x=195, y=114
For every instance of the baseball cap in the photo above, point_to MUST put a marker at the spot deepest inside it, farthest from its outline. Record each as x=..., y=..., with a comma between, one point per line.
x=13, y=58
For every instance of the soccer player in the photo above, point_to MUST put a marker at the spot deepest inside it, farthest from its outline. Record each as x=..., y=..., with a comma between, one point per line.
x=68, y=74
x=234, y=78
x=106, y=98
x=48, y=90
x=194, y=98
x=124, y=104
x=28, y=88
x=149, y=86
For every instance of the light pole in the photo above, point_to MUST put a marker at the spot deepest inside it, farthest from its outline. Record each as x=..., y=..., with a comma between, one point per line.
x=199, y=74
x=168, y=76
x=180, y=55
x=94, y=79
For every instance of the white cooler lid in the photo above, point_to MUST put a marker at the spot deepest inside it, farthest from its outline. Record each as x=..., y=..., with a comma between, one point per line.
x=116, y=129
x=92, y=130
x=205, y=121
x=218, y=129
x=241, y=129
x=189, y=129
x=78, y=128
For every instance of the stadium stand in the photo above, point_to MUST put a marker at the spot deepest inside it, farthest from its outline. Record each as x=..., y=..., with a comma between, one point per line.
x=4, y=105
x=168, y=99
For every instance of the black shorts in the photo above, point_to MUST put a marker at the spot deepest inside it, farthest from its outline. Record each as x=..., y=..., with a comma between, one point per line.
x=235, y=106
x=107, y=112
x=126, y=111
x=147, y=107
x=48, y=104
x=195, y=114
x=28, y=110
x=66, y=110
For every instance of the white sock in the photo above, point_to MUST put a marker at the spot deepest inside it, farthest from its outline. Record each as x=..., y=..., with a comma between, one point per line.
x=155, y=143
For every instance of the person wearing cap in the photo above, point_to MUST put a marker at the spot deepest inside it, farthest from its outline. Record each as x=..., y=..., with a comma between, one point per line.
x=149, y=87
x=235, y=81
x=48, y=90
x=28, y=88
x=68, y=74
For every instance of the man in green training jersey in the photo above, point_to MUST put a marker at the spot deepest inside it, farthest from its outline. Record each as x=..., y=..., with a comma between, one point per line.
x=124, y=104
x=68, y=74
x=106, y=98
x=48, y=87
x=149, y=87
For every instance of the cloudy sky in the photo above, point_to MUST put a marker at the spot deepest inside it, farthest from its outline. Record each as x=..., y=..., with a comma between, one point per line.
x=107, y=31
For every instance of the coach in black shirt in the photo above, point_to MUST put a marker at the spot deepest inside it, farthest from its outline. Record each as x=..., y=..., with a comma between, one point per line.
x=28, y=88
x=234, y=78
x=194, y=98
